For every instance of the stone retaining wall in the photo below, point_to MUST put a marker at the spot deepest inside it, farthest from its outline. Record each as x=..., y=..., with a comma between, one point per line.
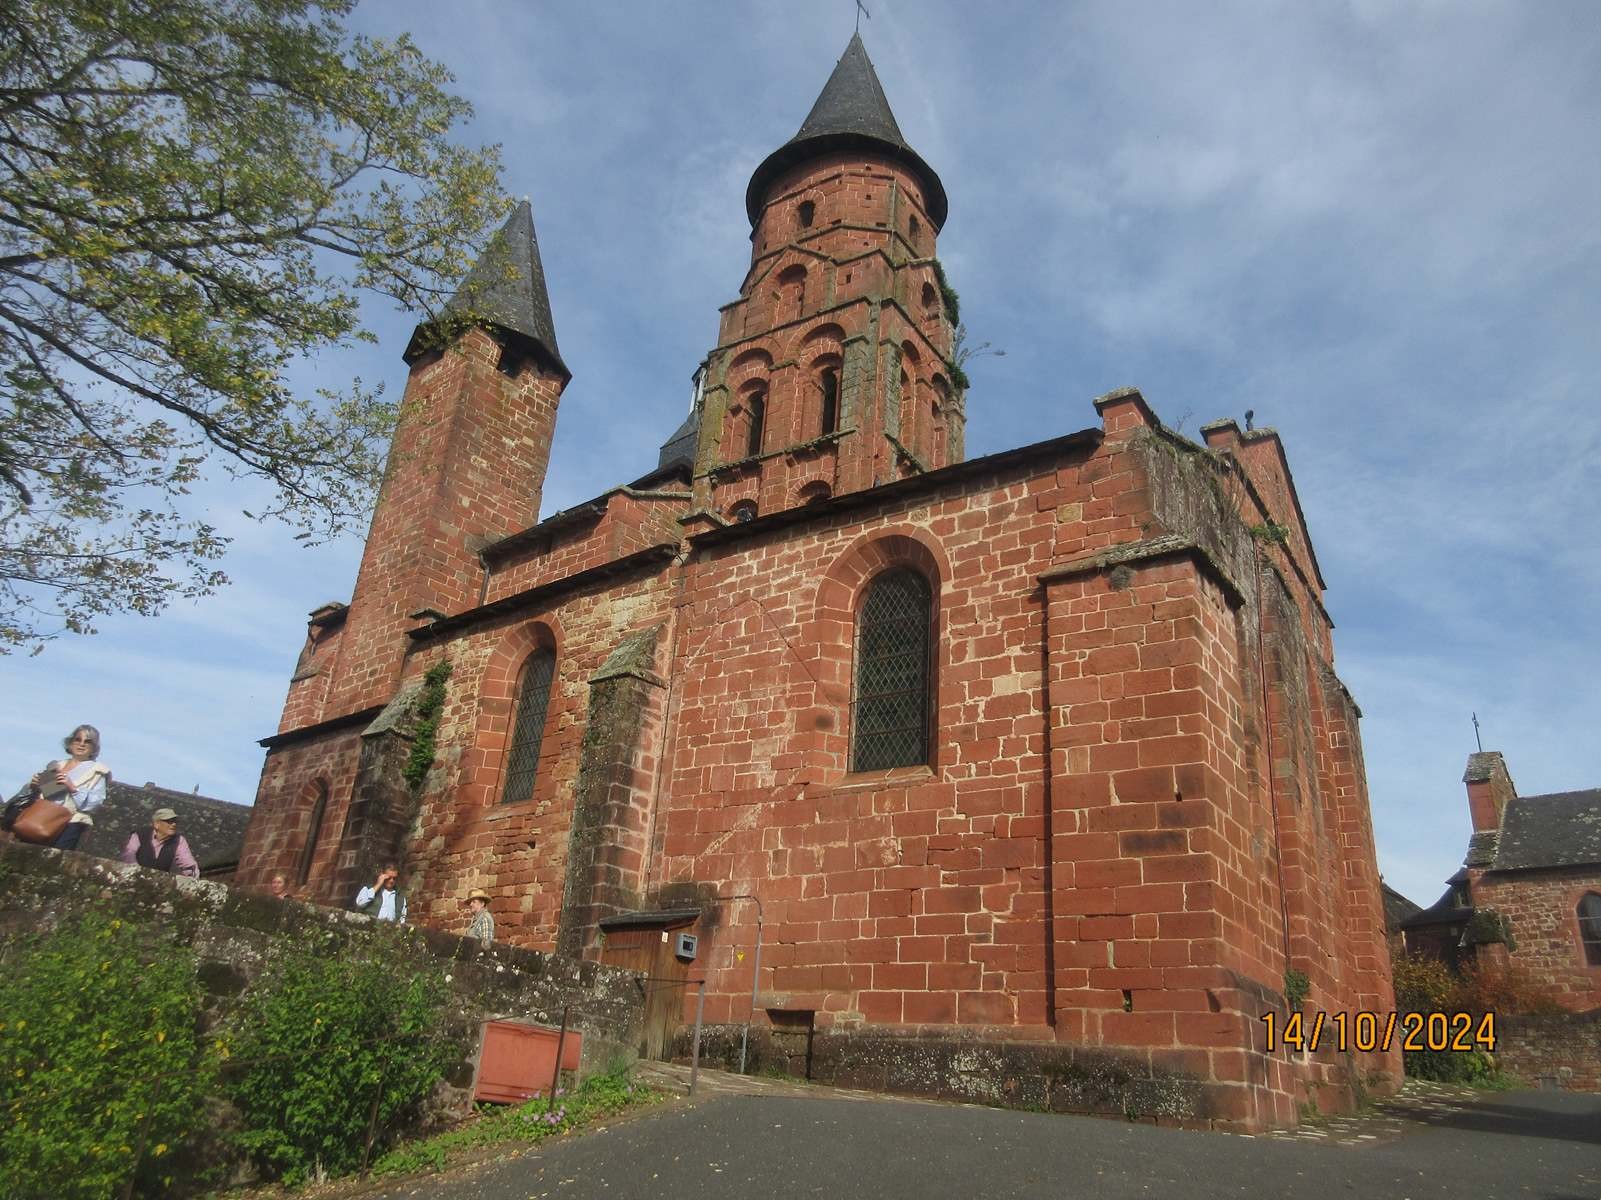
x=1561, y=1051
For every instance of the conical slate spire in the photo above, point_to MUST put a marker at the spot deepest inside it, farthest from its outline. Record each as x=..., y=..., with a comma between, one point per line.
x=506, y=289
x=851, y=113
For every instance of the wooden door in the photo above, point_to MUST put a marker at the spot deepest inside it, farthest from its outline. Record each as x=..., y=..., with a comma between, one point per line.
x=651, y=951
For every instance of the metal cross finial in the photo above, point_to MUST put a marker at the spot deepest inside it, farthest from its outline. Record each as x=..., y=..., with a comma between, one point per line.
x=861, y=10
x=1476, y=736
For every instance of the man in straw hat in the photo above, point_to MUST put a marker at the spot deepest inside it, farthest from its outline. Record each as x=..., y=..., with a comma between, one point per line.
x=160, y=846
x=482, y=925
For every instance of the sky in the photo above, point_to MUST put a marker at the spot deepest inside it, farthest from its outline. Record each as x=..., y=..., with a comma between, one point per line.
x=1372, y=223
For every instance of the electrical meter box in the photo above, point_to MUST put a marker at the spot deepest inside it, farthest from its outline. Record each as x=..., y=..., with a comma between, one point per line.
x=684, y=946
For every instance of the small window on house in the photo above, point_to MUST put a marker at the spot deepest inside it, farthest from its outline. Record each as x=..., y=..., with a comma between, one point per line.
x=890, y=704
x=930, y=300
x=830, y=385
x=915, y=227
x=758, y=418
x=1590, y=928
x=528, y=731
x=806, y=210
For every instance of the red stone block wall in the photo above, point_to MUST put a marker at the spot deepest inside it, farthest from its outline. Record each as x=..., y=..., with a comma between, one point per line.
x=281, y=820
x=1543, y=909
x=466, y=469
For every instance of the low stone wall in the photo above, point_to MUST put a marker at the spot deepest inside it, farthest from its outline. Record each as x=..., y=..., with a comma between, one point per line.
x=1561, y=1051
x=236, y=933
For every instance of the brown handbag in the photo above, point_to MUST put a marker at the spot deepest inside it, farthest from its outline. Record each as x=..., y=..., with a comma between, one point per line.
x=41, y=822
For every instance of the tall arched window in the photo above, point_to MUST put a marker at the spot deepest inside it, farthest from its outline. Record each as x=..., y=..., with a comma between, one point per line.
x=528, y=731
x=829, y=381
x=757, y=403
x=890, y=704
x=1590, y=928
x=308, y=851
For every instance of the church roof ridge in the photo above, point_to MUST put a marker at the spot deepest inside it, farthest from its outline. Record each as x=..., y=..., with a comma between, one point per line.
x=506, y=288
x=851, y=112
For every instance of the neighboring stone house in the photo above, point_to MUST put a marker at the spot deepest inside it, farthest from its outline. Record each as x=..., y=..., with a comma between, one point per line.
x=1025, y=777
x=1535, y=862
x=1397, y=911
x=214, y=829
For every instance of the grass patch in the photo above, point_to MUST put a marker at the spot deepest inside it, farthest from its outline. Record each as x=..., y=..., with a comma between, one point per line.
x=601, y=1096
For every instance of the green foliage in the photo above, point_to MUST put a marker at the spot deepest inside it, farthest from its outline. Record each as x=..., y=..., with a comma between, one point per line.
x=193, y=195
x=102, y=1072
x=1487, y=926
x=318, y=1041
x=951, y=302
x=1297, y=987
x=600, y=1096
x=1271, y=532
x=1424, y=984
x=429, y=705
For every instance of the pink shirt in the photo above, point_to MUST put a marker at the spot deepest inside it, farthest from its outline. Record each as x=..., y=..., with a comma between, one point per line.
x=183, y=862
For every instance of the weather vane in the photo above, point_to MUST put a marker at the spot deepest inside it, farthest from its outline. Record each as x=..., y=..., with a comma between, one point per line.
x=861, y=11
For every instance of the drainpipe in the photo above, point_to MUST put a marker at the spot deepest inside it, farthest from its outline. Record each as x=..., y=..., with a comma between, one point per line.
x=755, y=976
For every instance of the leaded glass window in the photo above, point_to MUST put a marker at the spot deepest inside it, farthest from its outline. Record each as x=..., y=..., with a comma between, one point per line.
x=1590, y=928
x=533, y=697
x=890, y=709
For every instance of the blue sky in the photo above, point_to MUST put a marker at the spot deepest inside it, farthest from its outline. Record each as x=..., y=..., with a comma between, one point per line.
x=1375, y=224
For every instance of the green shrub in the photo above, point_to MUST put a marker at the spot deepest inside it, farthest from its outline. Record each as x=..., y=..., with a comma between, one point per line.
x=102, y=1071
x=317, y=1042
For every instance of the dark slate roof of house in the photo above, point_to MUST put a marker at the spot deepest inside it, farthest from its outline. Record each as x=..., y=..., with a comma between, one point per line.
x=1481, y=848
x=851, y=113
x=1397, y=908
x=679, y=450
x=1562, y=829
x=1443, y=911
x=214, y=829
x=506, y=289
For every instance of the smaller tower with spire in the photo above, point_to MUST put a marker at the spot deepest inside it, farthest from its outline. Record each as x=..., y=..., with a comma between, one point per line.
x=467, y=463
x=832, y=368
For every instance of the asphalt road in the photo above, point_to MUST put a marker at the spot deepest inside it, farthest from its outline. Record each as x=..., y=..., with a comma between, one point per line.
x=1532, y=1145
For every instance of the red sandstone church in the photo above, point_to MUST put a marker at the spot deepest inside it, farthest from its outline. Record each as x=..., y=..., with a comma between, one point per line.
x=1026, y=778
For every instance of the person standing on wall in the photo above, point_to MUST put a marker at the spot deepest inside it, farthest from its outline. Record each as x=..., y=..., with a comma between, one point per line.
x=160, y=847
x=381, y=899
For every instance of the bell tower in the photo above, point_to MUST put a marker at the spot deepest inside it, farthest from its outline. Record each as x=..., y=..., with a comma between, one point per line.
x=467, y=462
x=832, y=368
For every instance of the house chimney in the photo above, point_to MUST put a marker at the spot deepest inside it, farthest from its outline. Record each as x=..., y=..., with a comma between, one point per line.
x=1489, y=789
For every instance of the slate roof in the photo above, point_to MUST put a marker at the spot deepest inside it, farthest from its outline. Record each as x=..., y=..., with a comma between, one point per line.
x=1397, y=908
x=506, y=289
x=851, y=113
x=1481, y=848
x=214, y=829
x=1562, y=829
x=679, y=450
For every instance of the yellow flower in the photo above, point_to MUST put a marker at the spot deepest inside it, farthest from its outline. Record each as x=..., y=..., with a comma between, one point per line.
x=161, y=1148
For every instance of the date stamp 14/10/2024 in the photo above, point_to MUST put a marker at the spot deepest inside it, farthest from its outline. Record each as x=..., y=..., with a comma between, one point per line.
x=1366, y=1031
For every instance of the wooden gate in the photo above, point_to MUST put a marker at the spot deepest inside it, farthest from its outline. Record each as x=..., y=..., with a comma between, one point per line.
x=644, y=942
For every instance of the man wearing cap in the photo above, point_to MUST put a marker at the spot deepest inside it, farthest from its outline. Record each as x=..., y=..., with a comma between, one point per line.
x=482, y=925
x=160, y=847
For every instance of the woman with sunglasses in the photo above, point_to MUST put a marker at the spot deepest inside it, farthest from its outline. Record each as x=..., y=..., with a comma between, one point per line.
x=85, y=781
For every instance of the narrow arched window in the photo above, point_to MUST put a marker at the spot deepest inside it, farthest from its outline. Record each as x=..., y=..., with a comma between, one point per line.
x=308, y=851
x=528, y=731
x=830, y=385
x=806, y=210
x=1590, y=928
x=890, y=706
x=757, y=404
